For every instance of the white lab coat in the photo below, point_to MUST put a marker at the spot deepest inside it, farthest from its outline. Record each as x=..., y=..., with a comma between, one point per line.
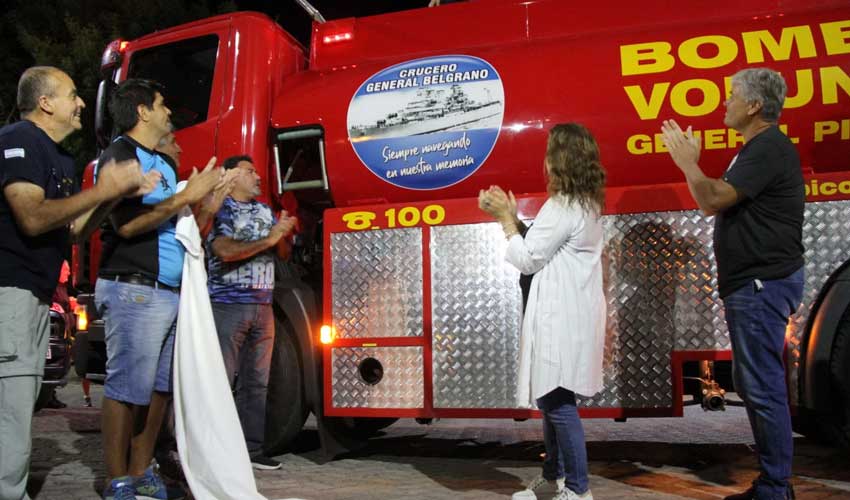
x=212, y=447
x=563, y=330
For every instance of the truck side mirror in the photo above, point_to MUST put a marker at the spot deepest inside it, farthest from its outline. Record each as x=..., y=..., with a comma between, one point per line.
x=102, y=119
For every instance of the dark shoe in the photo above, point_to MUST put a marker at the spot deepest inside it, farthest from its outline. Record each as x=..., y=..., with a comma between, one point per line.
x=262, y=462
x=87, y=401
x=55, y=403
x=750, y=494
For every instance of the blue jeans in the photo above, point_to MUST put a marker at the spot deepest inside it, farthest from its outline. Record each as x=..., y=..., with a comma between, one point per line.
x=140, y=322
x=246, y=336
x=757, y=316
x=563, y=437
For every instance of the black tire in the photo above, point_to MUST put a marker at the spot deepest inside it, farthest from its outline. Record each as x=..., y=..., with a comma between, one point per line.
x=839, y=371
x=833, y=428
x=80, y=354
x=45, y=394
x=286, y=408
x=363, y=427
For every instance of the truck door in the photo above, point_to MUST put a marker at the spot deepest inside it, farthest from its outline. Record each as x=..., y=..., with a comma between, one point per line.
x=191, y=68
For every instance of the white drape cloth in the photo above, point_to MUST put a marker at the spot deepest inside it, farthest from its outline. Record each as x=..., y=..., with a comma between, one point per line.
x=209, y=437
x=563, y=330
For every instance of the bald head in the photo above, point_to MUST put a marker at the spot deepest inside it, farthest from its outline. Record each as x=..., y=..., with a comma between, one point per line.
x=48, y=97
x=36, y=82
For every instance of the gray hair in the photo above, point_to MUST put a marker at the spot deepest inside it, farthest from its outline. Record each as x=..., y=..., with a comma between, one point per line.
x=34, y=83
x=765, y=86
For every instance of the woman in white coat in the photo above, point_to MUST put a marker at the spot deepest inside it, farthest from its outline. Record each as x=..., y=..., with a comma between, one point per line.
x=563, y=330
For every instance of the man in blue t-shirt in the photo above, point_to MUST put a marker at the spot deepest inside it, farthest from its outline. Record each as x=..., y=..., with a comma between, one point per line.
x=241, y=284
x=41, y=210
x=138, y=290
x=758, y=244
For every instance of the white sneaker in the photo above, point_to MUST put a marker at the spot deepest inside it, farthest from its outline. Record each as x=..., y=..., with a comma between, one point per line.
x=541, y=488
x=568, y=494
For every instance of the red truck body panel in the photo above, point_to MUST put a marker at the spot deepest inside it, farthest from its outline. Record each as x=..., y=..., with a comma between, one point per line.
x=564, y=63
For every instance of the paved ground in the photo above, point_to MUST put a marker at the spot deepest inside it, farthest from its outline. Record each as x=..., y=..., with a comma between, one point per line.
x=702, y=456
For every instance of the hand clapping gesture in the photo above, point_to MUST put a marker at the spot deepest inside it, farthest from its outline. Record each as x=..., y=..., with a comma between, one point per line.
x=202, y=183
x=497, y=203
x=126, y=179
x=684, y=146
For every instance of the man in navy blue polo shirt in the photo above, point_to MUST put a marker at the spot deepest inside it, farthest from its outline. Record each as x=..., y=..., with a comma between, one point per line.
x=41, y=209
x=138, y=291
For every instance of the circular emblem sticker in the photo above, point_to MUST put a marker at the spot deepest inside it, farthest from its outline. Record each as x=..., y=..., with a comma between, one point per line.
x=427, y=123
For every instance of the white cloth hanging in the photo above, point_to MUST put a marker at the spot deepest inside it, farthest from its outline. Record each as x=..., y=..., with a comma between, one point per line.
x=209, y=437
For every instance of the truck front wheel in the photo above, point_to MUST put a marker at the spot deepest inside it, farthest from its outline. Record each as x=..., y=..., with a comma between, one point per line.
x=365, y=427
x=286, y=407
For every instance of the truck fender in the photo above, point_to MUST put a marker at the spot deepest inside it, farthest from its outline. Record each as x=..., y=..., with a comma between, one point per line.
x=832, y=301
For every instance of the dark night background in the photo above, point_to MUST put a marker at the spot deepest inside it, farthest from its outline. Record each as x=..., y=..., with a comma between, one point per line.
x=71, y=34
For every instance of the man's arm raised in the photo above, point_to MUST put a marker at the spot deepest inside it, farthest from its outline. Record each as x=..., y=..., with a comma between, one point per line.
x=712, y=195
x=36, y=215
x=197, y=187
x=84, y=225
x=230, y=250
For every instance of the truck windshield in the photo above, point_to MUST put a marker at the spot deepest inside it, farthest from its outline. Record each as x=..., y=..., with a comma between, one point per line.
x=186, y=70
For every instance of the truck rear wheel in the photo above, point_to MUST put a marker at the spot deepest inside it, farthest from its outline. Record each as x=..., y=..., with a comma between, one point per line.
x=286, y=408
x=833, y=428
x=839, y=370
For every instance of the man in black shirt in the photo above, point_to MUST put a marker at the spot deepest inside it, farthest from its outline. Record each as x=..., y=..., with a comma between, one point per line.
x=758, y=204
x=138, y=290
x=40, y=211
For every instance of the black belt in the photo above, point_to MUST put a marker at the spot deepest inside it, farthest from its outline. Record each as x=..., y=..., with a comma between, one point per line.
x=138, y=279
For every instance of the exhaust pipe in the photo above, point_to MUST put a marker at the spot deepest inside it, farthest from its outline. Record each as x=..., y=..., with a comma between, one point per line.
x=713, y=396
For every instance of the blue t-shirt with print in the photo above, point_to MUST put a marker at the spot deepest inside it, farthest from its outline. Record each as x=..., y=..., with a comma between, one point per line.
x=155, y=254
x=249, y=281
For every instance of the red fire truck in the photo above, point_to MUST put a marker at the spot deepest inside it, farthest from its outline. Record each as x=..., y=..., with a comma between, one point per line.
x=397, y=301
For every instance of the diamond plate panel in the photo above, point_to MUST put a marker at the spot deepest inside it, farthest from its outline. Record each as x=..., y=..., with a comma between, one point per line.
x=402, y=385
x=476, y=314
x=377, y=283
x=661, y=294
x=661, y=291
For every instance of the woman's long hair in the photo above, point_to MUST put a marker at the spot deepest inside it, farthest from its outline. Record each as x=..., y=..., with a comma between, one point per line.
x=574, y=171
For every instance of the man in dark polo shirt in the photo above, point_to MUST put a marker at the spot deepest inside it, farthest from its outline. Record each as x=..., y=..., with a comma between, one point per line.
x=758, y=204
x=41, y=209
x=138, y=290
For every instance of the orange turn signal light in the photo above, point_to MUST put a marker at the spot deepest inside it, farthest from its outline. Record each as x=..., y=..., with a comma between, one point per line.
x=327, y=334
x=82, y=318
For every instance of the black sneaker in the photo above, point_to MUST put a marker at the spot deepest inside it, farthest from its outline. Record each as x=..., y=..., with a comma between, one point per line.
x=750, y=494
x=55, y=404
x=262, y=462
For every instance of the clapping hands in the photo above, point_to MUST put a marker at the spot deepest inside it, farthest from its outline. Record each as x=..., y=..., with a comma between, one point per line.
x=497, y=203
